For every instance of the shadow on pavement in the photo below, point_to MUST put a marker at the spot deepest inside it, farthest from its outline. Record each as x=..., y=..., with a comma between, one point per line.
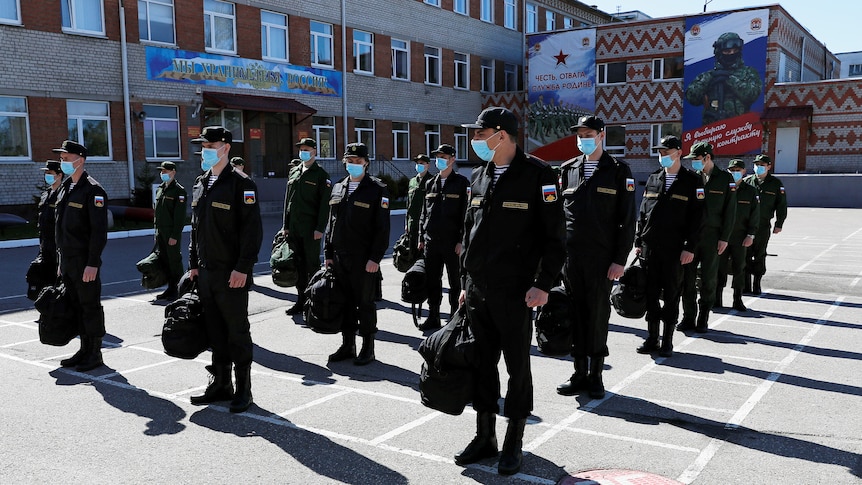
x=292, y=365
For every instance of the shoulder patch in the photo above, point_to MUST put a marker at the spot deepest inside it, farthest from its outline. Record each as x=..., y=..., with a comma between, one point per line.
x=182, y=198
x=700, y=193
x=249, y=197
x=384, y=202
x=630, y=185
x=732, y=186
x=781, y=189
x=549, y=193
x=99, y=201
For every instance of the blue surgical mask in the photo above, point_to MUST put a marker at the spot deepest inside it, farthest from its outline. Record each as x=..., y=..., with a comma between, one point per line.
x=50, y=179
x=355, y=169
x=420, y=168
x=209, y=158
x=665, y=161
x=67, y=167
x=442, y=164
x=737, y=176
x=166, y=177
x=759, y=170
x=697, y=165
x=482, y=150
x=305, y=156
x=587, y=145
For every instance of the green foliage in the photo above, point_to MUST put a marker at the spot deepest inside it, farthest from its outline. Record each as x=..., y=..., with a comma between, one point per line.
x=143, y=193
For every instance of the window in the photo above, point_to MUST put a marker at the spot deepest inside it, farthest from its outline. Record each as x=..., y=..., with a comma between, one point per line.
x=461, y=143
x=612, y=73
x=231, y=119
x=510, y=14
x=365, y=134
x=14, y=128
x=400, y=60
x=324, y=134
x=90, y=124
x=435, y=3
x=488, y=75
x=10, y=12
x=220, y=26
x=400, y=140
x=615, y=140
x=321, y=44
x=462, y=71
x=432, y=138
x=161, y=131
x=83, y=16
x=532, y=18
x=156, y=20
x=550, y=20
x=854, y=70
x=510, y=77
x=657, y=132
x=363, y=52
x=667, y=68
x=273, y=36
x=486, y=10
x=432, y=65
x=459, y=6
x=568, y=22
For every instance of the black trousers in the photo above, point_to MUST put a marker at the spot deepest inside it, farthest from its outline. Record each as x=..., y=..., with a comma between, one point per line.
x=756, y=263
x=501, y=325
x=306, y=251
x=590, y=290
x=226, y=317
x=437, y=256
x=172, y=257
x=664, y=281
x=360, y=287
x=733, y=262
x=86, y=298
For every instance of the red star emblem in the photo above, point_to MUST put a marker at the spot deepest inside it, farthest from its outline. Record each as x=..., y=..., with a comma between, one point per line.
x=561, y=58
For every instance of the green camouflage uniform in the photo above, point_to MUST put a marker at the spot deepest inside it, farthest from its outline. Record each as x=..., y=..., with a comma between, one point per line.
x=747, y=221
x=170, y=216
x=773, y=201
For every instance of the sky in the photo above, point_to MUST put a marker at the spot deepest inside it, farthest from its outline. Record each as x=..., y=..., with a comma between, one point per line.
x=835, y=25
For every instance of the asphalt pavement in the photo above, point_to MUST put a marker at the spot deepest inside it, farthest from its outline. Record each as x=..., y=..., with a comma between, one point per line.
x=769, y=396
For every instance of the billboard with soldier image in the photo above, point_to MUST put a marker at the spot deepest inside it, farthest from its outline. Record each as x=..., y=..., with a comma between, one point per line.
x=725, y=62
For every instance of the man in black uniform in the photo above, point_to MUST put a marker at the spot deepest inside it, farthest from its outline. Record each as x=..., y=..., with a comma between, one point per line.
x=47, y=219
x=669, y=224
x=225, y=240
x=171, y=203
x=513, y=252
x=81, y=233
x=744, y=230
x=599, y=204
x=441, y=228
x=355, y=241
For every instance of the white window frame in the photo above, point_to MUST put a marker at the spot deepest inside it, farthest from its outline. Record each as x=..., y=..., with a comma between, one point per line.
x=402, y=135
x=433, y=65
x=324, y=124
x=461, y=143
x=269, y=31
x=69, y=12
x=550, y=20
x=486, y=11
x=510, y=77
x=487, y=70
x=399, y=51
x=150, y=126
x=210, y=17
x=326, y=37
x=231, y=119
x=659, y=130
x=357, y=45
x=145, y=17
x=362, y=134
x=461, y=80
x=532, y=20
x=658, y=68
x=432, y=138
x=510, y=14
x=568, y=22
x=79, y=119
x=460, y=6
x=18, y=114
x=433, y=3
x=854, y=70
x=17, y=19
x=602, y=75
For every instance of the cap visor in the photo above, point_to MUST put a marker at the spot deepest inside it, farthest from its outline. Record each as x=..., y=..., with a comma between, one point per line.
x=471, y=125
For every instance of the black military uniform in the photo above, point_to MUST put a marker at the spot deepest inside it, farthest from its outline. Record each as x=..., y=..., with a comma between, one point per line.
x=669, y=222
x=441, y=229
x=170, y=219
x=47, y=221
x=226, y=237
x=600, y=229
x=357, y=232
x=81, y=234
x=745, y=225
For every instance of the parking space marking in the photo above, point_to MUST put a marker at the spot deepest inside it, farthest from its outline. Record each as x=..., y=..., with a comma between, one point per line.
x=15, y=344
x=314, y=403
x=136, y=369
x=405, y=428
x=704, y=378
x=734, y=357
x=629, y=439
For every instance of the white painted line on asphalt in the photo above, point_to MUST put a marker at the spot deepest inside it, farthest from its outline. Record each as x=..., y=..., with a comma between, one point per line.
x=314, y=403
x=676, y=404
x=704, y=378
x=405, y=428
x=851, y=236
x=810, y=261
x=617, y=437
x=734, y=357
x=15, y=344
x=755, y=321
x=135, y=369
x=27, y=324
x=693, y=471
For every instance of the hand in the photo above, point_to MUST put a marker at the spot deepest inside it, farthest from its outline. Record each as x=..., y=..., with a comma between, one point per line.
x=686, y=257
x=722, y=245
x=536, y=297
x=458, y=248
x=420, y=246
x=327, y=263
x=719, y=76
x=747, y=242
x=283, y=232
x=172, y=242
x=637, y=250
x=615, y=271
x=90, y=273
x=776, y=230
x=462, y=297
x=317, y=235
x=237, y=279
x=371, y=267
x=193, y=274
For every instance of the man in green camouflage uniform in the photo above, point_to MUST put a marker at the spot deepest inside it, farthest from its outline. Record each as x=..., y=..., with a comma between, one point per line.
x=730, y=88
x=742, y=237
x=170, y=219
x=416, y=198
x=773, y=202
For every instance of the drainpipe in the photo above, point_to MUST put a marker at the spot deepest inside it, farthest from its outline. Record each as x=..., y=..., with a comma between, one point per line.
x=126, y=106
x=343, y=72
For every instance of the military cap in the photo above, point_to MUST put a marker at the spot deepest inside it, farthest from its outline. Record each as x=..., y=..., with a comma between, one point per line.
x=308, y=142
x=213, y=134
x=700, y=149
x=237, y=161
x=168, y=166
x=422, y=158
x=70, y=146
x=445, y=149
x=499, y=119
x=356, y=150
x=763, y=159
x=736, y=163
x=52, y=165
x=589, y=121
x=668, y=142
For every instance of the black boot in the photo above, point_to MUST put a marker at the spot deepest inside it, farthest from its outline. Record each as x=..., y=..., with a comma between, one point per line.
x=651, y=342
x=347, y=349
x=93, y=357
x=755, y=287
x=737, y=301
x=242, y=399
x=666, y=349
x=220, y=387
x=79, y=355
x=578, y=381
x=719, y=291
x=366, y=353
x=433, y=320
x=511, y=457
x=687, y=323
x=702, y=321
x=298, y=307
x=171, y=293
x=597, y=387
x=747, y=286
x=484, y=445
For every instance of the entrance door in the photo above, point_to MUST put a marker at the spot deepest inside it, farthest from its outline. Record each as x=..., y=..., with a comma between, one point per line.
x=279, y=148
x=787, y=150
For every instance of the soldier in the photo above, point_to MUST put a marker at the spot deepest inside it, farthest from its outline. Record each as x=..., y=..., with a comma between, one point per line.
x=47, y=218
x=416, y=197
x=170, y=220
x=356, y=239
x=441, y=229
x=669, y=225
x=225, y=241
x=238, y=164
x=599, y=204
x=719, y=213
x=742, y=237
x=306, y=207
x=773, y=202
x=81, y=234
x=513, y=251
x=731, y=87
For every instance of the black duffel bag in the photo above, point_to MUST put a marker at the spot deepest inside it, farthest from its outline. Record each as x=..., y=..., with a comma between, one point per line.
x=324, y=312
x=447, y=375
x=283, y=263
x=414, y=289
x=184, y=334
x=404, y=253
x=58, y=324
x=629, y=296
x=153, y=272
x=554, y=323
x=40, y=274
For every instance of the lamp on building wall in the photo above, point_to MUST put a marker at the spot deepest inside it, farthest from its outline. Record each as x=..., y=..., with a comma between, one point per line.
x=369, y=106
x=139, y=115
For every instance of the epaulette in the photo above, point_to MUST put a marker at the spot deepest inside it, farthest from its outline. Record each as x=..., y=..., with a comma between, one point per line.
x=93, y=181
x=378, y=181
x=241, y=173
x=536, y=161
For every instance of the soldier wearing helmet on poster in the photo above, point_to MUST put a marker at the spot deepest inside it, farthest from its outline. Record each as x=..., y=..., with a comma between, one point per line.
x=731, y=87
